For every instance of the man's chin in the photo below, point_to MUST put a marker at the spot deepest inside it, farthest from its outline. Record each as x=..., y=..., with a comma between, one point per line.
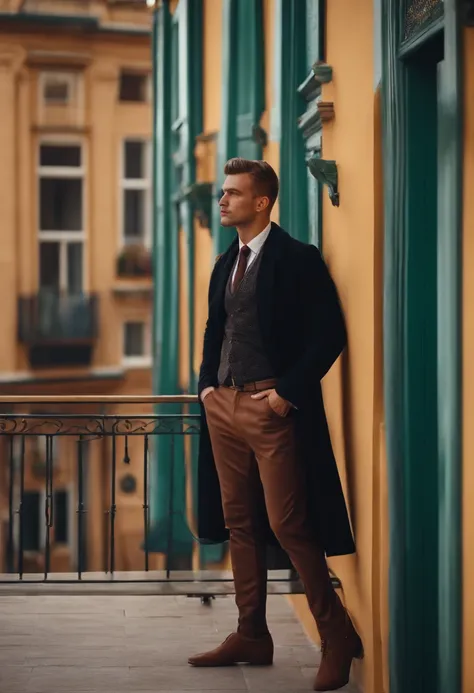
x=225, y=221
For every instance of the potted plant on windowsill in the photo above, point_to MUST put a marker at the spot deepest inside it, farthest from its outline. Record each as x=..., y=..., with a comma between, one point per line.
x=134, y=261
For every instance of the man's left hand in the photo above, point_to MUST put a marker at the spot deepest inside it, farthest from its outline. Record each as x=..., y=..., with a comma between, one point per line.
x=279, y=405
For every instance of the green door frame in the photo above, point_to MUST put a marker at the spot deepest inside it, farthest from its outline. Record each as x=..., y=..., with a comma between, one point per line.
x=394, y=94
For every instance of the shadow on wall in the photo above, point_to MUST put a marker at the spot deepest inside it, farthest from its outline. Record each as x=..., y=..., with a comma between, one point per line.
x=347, y=436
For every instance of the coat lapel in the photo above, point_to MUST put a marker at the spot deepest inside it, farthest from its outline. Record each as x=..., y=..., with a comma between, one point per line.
x=227, y=262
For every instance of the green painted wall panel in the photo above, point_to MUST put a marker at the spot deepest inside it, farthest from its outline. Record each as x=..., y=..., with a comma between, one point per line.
x=420, y=386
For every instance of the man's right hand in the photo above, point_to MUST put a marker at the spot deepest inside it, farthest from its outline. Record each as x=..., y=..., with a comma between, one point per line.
x=206, y=392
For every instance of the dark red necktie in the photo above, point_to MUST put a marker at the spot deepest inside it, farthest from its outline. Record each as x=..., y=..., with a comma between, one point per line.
x=241, y=267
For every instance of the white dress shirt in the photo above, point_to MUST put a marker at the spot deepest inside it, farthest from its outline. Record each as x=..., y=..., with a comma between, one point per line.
x=255, y=245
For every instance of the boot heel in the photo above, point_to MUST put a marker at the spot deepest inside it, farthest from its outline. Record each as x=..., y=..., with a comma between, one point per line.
x=261, y=662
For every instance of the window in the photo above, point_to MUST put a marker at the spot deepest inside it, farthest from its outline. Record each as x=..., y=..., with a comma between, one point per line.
x=134, y=87
x=136, y=203
x=57, y=88
x=61, y=217
x=60, y=99
x=136, y=344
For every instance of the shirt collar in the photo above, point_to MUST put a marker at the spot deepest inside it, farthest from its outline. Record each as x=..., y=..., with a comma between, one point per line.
x=256, y=243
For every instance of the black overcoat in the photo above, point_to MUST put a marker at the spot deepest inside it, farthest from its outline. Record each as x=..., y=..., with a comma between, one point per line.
x=303, y=332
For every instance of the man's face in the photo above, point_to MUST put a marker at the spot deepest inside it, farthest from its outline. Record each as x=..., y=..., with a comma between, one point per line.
x=239, y=203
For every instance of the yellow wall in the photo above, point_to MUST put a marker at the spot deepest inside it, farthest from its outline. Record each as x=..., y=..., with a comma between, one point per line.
x=352, y=245
x=468, y=367
x=352, y=392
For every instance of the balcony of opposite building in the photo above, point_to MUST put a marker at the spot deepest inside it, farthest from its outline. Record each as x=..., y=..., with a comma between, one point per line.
x=58, y=329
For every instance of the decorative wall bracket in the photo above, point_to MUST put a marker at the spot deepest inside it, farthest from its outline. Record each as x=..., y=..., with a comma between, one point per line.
x=200, y=196
x=322, y=72
x=326, y=173
x=326, y=111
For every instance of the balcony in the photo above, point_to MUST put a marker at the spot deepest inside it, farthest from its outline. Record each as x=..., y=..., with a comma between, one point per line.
x=110, y=514
x=58, y=329
x=92, y=496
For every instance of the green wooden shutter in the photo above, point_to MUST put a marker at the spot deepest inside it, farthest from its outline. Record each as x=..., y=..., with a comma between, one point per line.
x=291, y=19
x=243, y=93
x=250, y=78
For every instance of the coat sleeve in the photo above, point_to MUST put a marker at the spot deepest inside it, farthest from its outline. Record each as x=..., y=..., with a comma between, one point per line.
x=211, y=345
x=325, y=330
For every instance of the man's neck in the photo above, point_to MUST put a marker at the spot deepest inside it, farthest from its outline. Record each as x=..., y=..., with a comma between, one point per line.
x=248, y=233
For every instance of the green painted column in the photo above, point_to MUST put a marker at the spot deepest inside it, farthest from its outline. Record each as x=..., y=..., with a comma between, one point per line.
x=450, y=216
x=293, y=170
x=169, y=532
x=243, y=93
x=395, y=188
x=227, y=137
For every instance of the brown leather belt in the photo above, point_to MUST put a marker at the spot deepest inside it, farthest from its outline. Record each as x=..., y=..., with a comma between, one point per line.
x=254, y=386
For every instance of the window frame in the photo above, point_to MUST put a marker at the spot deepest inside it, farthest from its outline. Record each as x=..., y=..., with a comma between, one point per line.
x=144, y=360
x=75, y=81
x=144, y=184
x=63, y=237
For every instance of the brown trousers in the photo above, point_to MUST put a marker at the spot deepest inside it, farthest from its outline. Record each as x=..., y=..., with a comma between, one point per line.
x=249, y=439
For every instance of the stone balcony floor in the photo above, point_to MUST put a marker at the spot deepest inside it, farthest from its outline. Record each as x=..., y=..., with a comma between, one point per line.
x=140, y=644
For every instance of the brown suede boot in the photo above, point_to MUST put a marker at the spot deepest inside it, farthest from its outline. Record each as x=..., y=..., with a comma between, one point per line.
x=338, y=648
x=237, y=649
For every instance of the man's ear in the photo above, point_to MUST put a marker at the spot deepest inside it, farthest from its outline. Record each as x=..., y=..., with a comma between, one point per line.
x=263, y=204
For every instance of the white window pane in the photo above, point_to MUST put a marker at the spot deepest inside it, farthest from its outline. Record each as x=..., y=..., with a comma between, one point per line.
x=134, y=343
x=61, y=156
x=49, y=266
x=134, y=160
x=134, y=215
x=74, y=267
x=61, y=204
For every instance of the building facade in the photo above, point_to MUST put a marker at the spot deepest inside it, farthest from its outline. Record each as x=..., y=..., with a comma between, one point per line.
x=363, y=110
x=76, y=268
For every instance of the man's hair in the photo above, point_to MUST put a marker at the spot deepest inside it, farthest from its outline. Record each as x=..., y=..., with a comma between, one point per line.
x=263, y=175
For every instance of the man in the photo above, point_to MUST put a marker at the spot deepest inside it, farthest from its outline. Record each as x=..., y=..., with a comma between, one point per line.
x=266, y=466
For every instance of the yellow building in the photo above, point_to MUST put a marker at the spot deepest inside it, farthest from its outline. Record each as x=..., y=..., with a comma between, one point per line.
x=76, y=238
x=359, y=106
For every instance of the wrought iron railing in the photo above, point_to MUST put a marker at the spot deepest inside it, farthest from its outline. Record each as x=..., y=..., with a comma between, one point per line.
x=51, y=318
x=75, y=471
